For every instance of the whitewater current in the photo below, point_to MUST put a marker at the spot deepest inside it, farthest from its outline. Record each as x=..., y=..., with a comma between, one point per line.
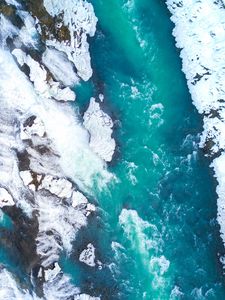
x=106, y=185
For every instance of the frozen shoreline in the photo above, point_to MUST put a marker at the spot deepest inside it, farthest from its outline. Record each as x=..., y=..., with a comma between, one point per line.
x=200, y=34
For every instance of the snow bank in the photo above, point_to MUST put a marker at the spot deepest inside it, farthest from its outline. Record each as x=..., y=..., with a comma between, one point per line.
x=200, y=33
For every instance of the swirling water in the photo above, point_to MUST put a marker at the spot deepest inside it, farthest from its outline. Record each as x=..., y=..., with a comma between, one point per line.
x=157, y=234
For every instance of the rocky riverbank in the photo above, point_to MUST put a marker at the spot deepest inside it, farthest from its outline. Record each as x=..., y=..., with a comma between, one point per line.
x=47, y=155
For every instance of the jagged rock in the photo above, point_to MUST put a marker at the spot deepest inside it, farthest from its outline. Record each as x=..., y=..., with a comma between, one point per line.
x=81, y=21
x=43, y=85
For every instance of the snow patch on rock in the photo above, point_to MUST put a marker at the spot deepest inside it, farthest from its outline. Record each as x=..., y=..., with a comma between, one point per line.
x=50, y=274
x=5, y=198
x=32, y=126
x=99, y=125
x=87, y=256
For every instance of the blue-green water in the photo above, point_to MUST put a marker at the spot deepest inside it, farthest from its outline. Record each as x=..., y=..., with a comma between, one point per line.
x=156, y=234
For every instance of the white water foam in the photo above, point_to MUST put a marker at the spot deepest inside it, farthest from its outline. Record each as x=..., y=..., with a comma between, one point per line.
x=146, y=241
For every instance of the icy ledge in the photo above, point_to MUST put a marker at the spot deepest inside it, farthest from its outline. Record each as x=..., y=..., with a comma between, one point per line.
x=200, y=33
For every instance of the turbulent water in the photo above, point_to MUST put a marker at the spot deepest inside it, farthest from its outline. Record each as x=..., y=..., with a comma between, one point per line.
x=154, y=232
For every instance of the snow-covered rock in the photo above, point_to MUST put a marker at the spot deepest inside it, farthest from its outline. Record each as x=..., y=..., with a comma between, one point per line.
x=60, y=187
x=99, y=125
x=38, y=75
x=81, y=21
x=43, y=143
x=26, y=177
x=5, y=198
x=60, y=67
x=31, y=180
x=32, y=126
x=50, y=274
x=78, y=199
x=203, y=48
x=90, y=208
x=87, y=256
